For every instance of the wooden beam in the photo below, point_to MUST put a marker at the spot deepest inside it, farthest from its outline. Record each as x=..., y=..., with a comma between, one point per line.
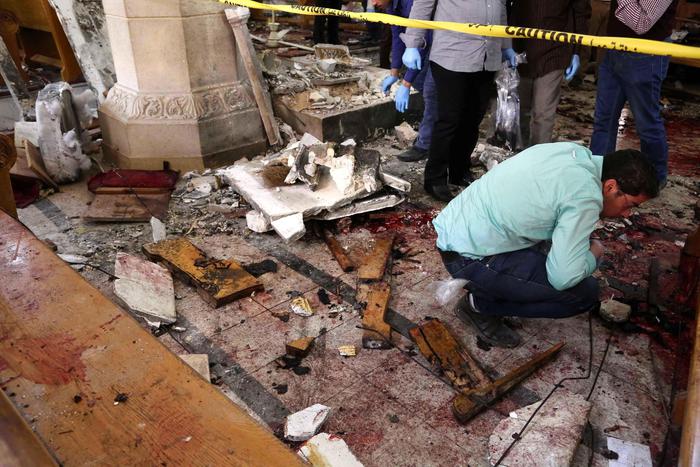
x=376, y=259
x=8, y=156
x=337, y=251
x=377, y=332
x=69, y=353
x=218, y=281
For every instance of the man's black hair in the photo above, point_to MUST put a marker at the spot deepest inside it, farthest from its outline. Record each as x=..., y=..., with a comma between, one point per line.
x=633, y=172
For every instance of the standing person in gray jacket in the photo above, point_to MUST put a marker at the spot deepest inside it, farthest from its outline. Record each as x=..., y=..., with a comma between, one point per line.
x=463, y=67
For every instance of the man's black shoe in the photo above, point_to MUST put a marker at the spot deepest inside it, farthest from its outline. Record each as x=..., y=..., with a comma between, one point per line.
x=413, y=155
x=491, y=328
x=464, y=181
x=440, y=192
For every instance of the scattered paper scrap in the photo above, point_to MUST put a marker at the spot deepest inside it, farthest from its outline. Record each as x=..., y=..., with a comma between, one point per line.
x=347, y=350
x=302, y=307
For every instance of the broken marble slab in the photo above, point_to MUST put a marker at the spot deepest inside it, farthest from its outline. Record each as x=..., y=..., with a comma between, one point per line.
x=290, y=228
x=145, y=288
x=629, y=453
x=257, y=222
x=325, y=450
x=550, y=439
x=304, y=424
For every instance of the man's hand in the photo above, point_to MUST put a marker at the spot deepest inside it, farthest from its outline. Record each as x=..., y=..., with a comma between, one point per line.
x=598, y=250
x=572, y=68
x=388, y=82
x=401, y=97
x=509, y=55
x=411, y=58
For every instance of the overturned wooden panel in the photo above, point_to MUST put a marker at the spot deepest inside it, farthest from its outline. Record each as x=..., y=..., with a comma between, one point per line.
x=300, y=347
x=440, y=348
x=376, y=259
x=218, y=281
x=127, y=207
x=377, y=332
x=68, y=351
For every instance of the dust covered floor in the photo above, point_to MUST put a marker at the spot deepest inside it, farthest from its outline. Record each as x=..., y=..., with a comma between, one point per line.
x=385, y=404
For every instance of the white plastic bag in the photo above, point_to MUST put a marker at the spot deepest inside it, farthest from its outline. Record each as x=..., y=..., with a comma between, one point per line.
x=449, y=290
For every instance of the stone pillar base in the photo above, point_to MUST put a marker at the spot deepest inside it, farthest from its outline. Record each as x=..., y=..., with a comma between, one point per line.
x=190, y=131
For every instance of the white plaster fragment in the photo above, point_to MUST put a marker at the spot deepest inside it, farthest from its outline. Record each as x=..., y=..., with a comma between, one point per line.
x=405, y=134
x=629, y=453
x=302, y=425
x=157, y=230
x=290, y=228
x=145, y=287
x=257, y=222
x=325, y=450
x=73, y=259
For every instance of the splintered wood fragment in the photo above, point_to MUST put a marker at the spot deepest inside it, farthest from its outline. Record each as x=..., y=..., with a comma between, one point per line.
x=217, y=281
x=468, y=404
x=337, y=251
x=375, y=261
x=377, y=333
x=439, y=347
x=300, y=347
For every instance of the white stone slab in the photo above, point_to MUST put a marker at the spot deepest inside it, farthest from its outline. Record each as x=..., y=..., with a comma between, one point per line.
x=550, y=439
x=629, y=454
x=302, y=425
x=157, y=230
x=145, y=287
x=324, y=450
x=290, y=228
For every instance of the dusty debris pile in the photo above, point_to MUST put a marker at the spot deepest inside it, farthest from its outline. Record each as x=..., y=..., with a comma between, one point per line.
x=312, y=179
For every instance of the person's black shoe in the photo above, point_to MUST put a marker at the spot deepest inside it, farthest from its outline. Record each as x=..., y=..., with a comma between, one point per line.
x=464, y=180
x=440, y=192
x=413, y=155
x=491, y=328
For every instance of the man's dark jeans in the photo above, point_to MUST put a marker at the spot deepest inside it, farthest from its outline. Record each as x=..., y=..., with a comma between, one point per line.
x=515, y=284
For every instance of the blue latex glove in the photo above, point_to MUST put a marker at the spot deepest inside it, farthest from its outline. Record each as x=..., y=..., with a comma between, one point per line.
x=388, y=81
x=508, y=55
x=573, y=68
x=401, y=98
x=411, y=58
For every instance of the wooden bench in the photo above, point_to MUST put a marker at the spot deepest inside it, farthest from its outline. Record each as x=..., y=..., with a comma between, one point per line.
x=96, y=387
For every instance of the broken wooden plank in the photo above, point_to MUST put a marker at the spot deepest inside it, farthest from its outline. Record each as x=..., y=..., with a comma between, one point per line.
x=36, y=164
x=127, y=208
x=377, y=333
x=145, y=288
x=441, y=349
x=337, y=251
x=300, y=347
x=217, y=281
x=470, y=403
x=69, y=351
x=19, y=445
x=376, y=259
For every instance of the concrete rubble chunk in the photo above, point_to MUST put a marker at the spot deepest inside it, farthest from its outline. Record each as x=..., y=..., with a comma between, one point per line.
x=145, y=287
x=199, y=363
x=157, y=230
x=302, y=425
x=558, y=426
x=257, y=222
x=290, y=228
x=614, y=311
x=405, y=134
x=325, y=450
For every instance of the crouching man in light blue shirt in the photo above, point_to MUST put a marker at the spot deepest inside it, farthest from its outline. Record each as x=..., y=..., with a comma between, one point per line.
x=496, y=233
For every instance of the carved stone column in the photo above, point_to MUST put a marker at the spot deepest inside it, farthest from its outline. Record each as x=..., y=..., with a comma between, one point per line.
x=181, y=94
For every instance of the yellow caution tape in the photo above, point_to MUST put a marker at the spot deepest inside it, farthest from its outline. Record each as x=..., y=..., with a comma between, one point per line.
x=625, y=44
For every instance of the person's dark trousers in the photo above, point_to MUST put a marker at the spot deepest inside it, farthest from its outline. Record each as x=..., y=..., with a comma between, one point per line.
x=515, y=284
x=462, y=101
x=332, y=23
x=385, y=47
x=634, y=78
